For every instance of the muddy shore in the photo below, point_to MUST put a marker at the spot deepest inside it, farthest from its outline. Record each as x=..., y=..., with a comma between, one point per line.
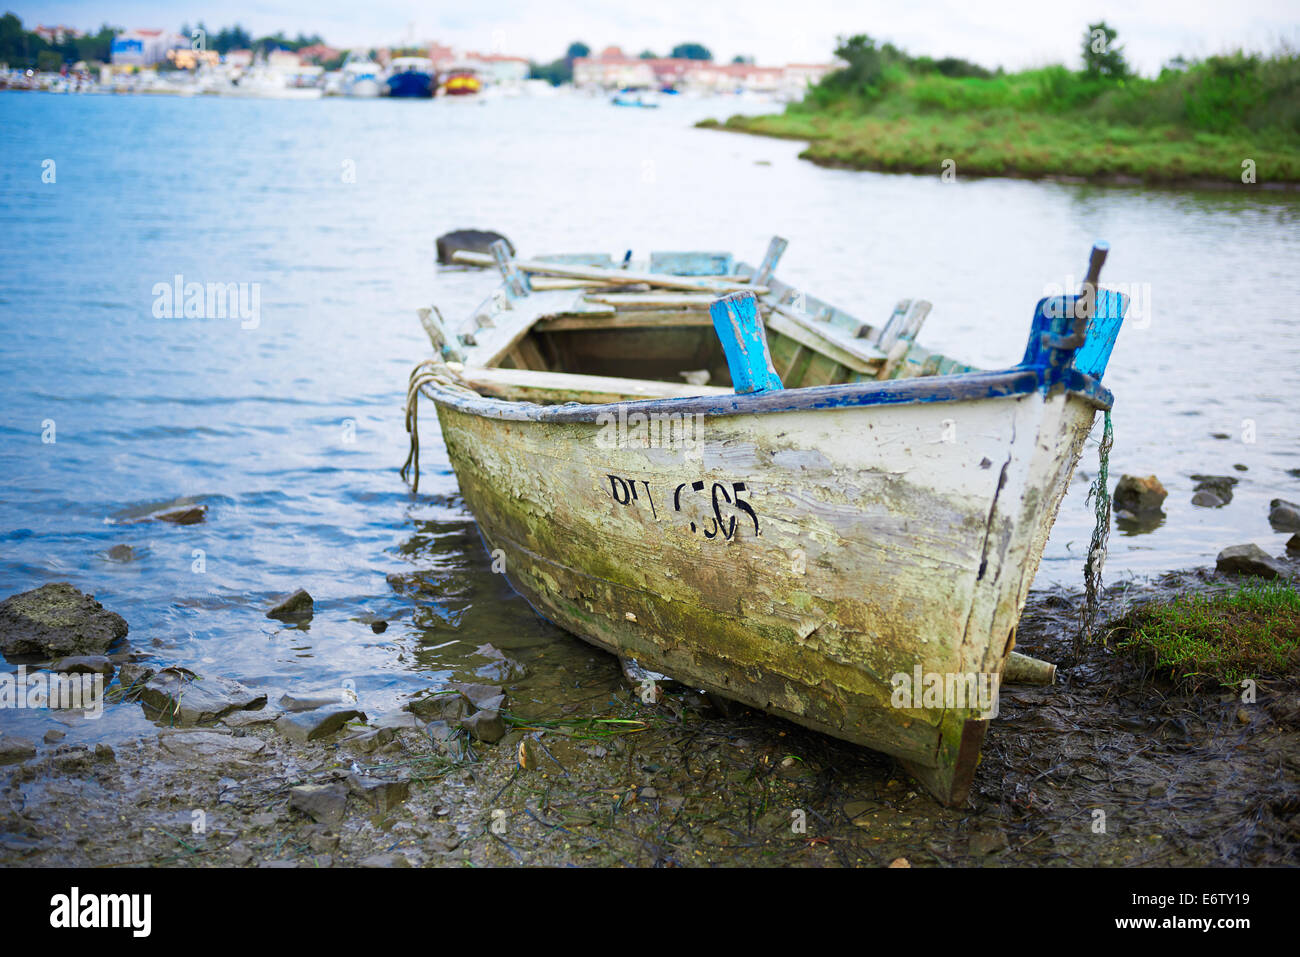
x=1112, y=766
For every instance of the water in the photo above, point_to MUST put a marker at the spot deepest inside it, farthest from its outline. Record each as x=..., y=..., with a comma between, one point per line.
x=291, y=432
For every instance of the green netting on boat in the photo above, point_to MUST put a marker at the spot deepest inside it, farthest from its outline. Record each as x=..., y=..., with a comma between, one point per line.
x=1100, y=497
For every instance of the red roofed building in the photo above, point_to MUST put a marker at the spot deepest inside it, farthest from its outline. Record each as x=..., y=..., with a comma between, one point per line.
x=57, y=34
x=317, y=53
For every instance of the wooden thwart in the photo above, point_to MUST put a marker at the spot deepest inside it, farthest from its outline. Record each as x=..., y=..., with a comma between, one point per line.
x=636, y=319
x=616, y=276
x=526, y=385
x=857, y=354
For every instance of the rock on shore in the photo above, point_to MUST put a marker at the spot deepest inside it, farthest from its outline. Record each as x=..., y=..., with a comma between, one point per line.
x=180, y=696
x=485, y=726
x=1250, y=560
x=14, y=749
x=209, y=746
x=304, y=726
x=57, y=621
x=323, y=803
x=297, y=607
x=1213, y=491
x=1139, y=495
x=184, y=516
x=470, y=240
x=1284, y=516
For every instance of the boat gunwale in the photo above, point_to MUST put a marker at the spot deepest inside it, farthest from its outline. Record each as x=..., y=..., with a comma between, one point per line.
x=963, y=387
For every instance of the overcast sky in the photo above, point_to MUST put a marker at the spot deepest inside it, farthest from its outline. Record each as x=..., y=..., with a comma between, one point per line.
x=1012, y=33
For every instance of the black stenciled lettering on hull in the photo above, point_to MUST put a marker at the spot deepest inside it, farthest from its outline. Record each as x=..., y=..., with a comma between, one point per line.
x=624, y=492
x=650, y=498
x=614, y=488
x=737, y=488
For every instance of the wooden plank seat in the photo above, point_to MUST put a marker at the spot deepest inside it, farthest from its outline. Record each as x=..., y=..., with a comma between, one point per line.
x=551, y=388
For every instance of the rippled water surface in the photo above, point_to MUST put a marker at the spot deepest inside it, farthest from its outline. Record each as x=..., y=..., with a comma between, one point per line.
x=291, y=432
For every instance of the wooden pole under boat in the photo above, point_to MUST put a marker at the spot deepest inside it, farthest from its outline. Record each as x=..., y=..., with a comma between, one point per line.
x=1024, y=670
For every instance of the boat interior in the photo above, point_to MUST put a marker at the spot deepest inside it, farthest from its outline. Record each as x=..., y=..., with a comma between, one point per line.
x=571, y=333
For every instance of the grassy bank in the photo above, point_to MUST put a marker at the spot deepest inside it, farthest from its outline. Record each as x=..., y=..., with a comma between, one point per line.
x=1199, y=122
x=1250, y=632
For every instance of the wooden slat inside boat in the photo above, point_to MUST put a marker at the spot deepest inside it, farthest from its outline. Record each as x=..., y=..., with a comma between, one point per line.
x=750, y=490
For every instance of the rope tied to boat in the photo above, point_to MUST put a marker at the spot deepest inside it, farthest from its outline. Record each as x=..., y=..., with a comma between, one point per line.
x=1100, y=497
x=428, y=372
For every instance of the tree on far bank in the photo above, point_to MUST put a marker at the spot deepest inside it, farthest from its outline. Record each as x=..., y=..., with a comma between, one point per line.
x=1101, y=55
x=865, y=65
x=691, y=51
x=23, y=48
x=230, y=38
x=561, y=70
x=95, y=47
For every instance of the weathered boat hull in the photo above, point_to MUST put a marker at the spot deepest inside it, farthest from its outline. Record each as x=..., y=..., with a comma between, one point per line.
x=796, y=550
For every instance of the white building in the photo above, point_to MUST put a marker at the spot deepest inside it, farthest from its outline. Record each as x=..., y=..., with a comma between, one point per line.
x=145, y=47
x=496, y=69
x=283, y=61
x=613, y=69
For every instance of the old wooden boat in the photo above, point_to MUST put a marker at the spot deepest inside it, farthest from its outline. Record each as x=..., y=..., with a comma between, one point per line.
x=743, y=487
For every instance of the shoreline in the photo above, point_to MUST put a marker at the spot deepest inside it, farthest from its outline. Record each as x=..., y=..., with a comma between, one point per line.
x=748, y=125
x=693, y=781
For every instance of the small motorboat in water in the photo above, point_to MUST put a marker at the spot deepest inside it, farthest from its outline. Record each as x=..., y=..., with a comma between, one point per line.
x=646, y=99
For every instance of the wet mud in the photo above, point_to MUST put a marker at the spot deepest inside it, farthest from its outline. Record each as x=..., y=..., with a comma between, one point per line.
x=1112, y=766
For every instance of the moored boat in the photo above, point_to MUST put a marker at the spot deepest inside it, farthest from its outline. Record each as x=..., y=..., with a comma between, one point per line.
x=461, y=81
x=362, y=77
x=694, y=465
x=411, y=77
x=646, y=99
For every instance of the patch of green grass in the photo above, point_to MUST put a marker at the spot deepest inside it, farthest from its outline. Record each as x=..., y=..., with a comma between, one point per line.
x=1003, y=142
x=1246, y=633
x=1199, y=124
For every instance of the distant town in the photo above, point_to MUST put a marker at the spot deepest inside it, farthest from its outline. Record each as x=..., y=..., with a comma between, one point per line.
x=196, y=60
